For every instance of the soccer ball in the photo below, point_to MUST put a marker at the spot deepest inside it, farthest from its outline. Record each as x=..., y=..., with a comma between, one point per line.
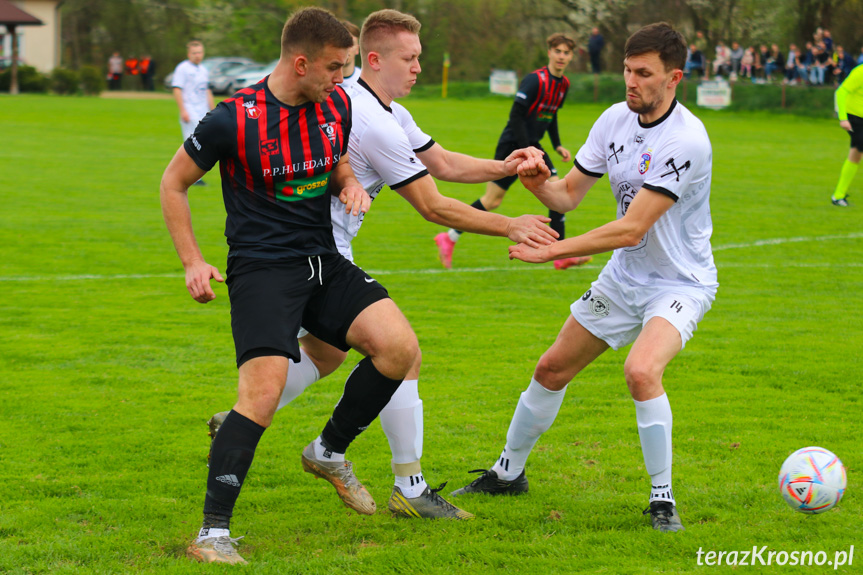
x=812, y=480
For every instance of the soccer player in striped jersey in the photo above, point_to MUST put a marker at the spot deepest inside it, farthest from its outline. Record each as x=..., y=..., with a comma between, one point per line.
x=281, y=146
x=849, y=103
x=660, y=280
x=533, y=113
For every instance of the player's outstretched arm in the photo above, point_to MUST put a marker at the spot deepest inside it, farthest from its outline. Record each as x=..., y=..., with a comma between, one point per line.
x=646, y=208
x=560, y=195
x=461, y=168
x=181, y=173
x=352, y=194
x=434, y=207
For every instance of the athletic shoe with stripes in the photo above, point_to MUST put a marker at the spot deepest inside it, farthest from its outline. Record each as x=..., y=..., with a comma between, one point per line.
x=664, y=516
x=341, y=475
x=841, y=202
x=215, y=550
x=429, y=505
x=490, y=483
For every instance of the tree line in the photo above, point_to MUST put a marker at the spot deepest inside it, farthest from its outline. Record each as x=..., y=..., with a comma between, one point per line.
x=478, y=35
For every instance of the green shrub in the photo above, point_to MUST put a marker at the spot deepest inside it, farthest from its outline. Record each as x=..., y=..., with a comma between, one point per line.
x=29, y=80
x=92, y=80
x=65, y=81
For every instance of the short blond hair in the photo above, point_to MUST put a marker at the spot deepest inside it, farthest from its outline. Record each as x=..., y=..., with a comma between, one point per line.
x=381, y=26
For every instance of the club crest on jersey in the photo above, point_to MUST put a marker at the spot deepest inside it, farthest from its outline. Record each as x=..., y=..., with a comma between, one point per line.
x=252, y=111
x=329, y=130
x=644, y=163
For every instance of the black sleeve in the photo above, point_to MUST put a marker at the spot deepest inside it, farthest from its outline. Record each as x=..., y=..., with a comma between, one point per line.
x=214, y=138
x=518, y=123
x=553, y=133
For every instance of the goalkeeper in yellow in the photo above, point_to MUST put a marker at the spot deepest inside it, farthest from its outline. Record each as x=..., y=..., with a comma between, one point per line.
x=849, y=102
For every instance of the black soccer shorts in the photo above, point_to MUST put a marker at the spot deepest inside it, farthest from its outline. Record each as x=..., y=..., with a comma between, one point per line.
x=857, y=131
x=271, y=299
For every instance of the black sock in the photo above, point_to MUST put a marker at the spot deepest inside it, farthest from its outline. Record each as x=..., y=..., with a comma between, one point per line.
x=367, y=392
x=478, y=205
x=558, y=223
x=230, y=459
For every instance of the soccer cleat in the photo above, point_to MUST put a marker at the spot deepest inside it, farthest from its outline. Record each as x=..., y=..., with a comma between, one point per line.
x=841, y=202
x=214, y=424
x=664, y=516
x=445, y=247
x=215, y=550
x=571, y=262
x=341, y=475
x=490, y=483
x=429, y=505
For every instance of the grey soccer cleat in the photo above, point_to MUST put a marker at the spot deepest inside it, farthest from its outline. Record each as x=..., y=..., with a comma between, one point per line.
x=341, y=475
x=429, y=505
x=841, y=202
x=214, y=424
x=215, y=550
x=490, y=483
x=664, y=516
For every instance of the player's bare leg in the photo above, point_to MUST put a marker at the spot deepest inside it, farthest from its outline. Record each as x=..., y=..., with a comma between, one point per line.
x=537, y=408
x=846, y=176
x=382, y=334
x=655, y=347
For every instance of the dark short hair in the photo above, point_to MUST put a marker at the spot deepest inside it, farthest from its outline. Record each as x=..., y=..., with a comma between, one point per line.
x=309, y=30
x=560, y=38
x=352, y=28
x=661, y=38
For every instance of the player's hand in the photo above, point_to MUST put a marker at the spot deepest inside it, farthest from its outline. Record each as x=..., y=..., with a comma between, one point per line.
x=518, y=157
x=355, y=199
x=531, y=230
x=846, y=125
x=531, y=255
x=564, y=153
x=198, y=276
x=184, y=115
x=533, y=173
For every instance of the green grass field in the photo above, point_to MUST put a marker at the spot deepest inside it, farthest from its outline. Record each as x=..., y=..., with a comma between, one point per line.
x=109, y=370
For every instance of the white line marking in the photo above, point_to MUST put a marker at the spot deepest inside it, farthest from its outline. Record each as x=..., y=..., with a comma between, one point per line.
x=755, y=244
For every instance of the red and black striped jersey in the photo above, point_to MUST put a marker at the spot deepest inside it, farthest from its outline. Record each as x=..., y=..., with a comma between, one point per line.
x=534, y=111
x=275, y=161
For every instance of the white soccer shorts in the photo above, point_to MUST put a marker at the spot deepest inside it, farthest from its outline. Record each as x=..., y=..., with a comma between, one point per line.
x=616, y=311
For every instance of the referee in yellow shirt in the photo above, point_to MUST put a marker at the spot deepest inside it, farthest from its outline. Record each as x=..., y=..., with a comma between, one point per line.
x=849, y=101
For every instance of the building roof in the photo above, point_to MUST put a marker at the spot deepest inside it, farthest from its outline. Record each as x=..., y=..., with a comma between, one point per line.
x=11, y=15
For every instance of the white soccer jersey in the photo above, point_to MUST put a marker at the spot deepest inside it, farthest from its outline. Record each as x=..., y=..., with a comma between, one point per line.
x=350, y=82
x=382, y=150
x=193, y=81
x=671, y=156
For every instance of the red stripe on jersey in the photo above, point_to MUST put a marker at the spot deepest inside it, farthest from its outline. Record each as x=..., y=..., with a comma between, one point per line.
x=327, y=144
x=540, y=92
x=335, y=111
x=241, y=143
x=285, y=142
x=266, y=168
x=304, y=135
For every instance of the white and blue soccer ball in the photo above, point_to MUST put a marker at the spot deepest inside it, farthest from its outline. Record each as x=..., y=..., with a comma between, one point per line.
x=812, y=480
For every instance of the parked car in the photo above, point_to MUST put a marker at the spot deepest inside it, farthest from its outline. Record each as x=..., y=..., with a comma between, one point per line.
x=213, y=65
x=220, y=83
x=251, y=78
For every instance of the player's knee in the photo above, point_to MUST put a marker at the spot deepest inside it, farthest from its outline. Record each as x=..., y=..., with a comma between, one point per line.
x=640, y=377
x=329, y=361
x=414, y=372
x=395, y=355
x=552, y=373
x=492, y=200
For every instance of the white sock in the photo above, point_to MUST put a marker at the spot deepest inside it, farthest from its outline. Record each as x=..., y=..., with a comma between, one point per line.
x=537, y=407
x=300, y=376
x=412, y=485
x=654, y=430
x=212, y=533
x=453, y=235
x=325, y=454
x=402, y=422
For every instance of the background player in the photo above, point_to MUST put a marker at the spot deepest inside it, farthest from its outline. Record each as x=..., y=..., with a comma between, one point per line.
x=387, y=148
x=849, y=102
x=660, y=280
x=350, y=71
x=191, y=87
x=534, y=112
x=282, y=146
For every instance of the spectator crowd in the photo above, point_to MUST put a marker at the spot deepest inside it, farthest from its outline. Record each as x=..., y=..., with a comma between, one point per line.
x=820, y=61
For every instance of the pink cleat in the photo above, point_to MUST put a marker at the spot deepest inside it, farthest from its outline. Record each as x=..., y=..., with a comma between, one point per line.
x=570, y=262
x=445, y=247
